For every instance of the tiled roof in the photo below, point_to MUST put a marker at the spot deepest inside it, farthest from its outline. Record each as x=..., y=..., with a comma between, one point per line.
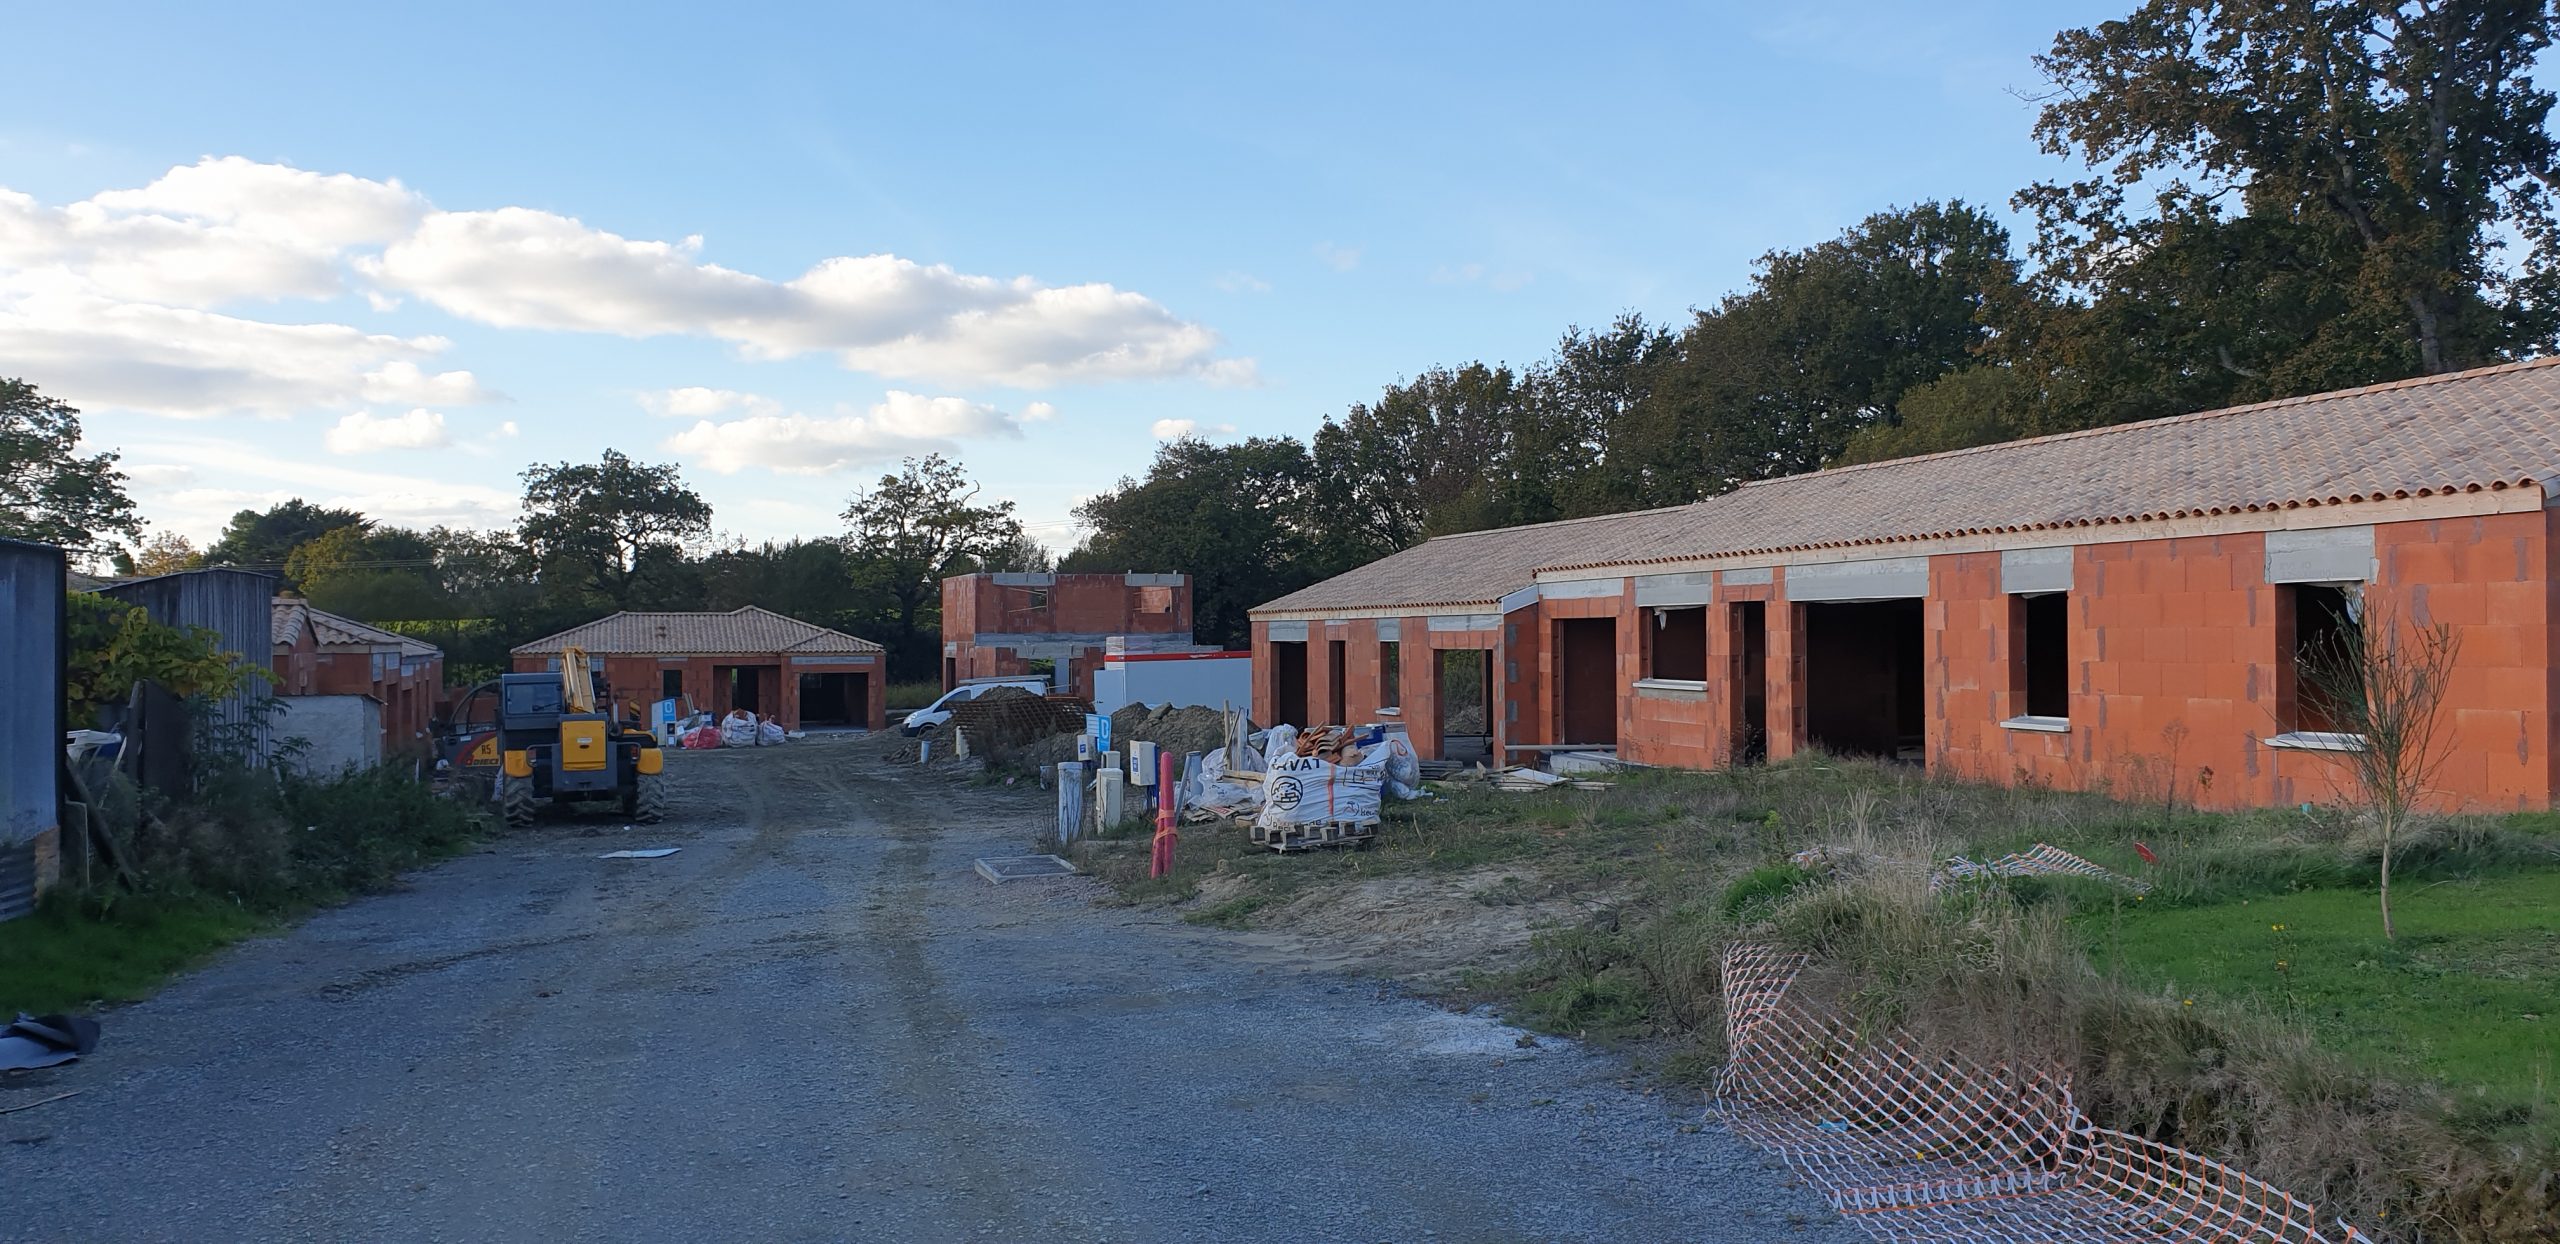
x=2487, y=429
x=332, y=631
x=744, y=630
x=1476, y=567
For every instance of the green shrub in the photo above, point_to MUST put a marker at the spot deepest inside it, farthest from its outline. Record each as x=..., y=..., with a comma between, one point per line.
x=1759, y=891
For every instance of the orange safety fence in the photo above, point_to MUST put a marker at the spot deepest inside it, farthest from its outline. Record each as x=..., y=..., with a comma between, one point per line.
x=1931, y=1147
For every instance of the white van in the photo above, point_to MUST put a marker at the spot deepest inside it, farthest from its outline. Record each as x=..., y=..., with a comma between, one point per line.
x=938, y=712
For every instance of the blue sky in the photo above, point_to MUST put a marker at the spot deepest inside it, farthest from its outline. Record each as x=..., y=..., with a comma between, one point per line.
x=611, y=226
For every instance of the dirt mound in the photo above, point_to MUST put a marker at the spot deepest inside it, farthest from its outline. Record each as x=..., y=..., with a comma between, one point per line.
x=1176, y=730
x=1005, y=720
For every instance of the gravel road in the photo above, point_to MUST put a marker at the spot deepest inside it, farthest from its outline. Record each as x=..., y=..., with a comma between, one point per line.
x=814, y=1023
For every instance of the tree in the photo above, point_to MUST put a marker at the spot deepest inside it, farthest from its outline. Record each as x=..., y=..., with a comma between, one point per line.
x=113, y=645
x=2383, y=681
x=377, y=574
x=911, y=529
x=2324, y=188
x=165, y=553
x=607, y=525
x=48, y=491
x=1825, y=344
x=1233, y=517
x=265, y=539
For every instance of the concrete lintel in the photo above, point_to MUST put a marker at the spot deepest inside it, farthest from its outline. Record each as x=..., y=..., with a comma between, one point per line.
x=1749, y=576
x=1697, y=587
x=1882, y=578
x=1152, y=580
x=1025, y=578
x=1581, y=589
x=1288, y=632
x=2035, y=570
x=1466, y=622
x=2323, y=555
x=1390, y=630
x=1513, y=602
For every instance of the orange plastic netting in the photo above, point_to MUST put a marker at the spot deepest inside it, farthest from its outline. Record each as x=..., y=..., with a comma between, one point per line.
x=1916, y=1146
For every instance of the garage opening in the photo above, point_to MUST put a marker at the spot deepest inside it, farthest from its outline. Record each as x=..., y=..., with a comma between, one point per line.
x=1750, y=622
x=1289, y=683
x=1464, y=682
x=1863, y=679
x=834, y=699
x=1587, y=681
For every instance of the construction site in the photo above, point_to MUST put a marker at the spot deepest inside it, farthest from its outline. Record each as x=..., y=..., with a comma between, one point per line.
x=1928, y=624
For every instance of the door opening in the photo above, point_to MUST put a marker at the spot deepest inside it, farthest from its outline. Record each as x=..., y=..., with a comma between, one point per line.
x=1587, y=681
x=1863, y=679
x=1750, y=681
x=1289, y=683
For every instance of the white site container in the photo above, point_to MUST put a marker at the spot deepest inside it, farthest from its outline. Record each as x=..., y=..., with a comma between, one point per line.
x=1181, y=679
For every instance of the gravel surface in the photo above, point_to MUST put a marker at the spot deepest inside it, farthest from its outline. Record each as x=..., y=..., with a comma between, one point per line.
x=814, y=1023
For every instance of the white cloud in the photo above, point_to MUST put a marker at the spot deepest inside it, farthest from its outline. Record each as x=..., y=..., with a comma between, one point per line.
x=255, y=477
x=696, y=402
x=1176, y=429
x=127, y=300
x=1338, y=258
x=1243, y=283
x=507, y=428
x=365, y=432
x=1039, y=412
x=96, y=351
x=326, y=209
x=520, y=268
x=205, y=234
x=799, y=444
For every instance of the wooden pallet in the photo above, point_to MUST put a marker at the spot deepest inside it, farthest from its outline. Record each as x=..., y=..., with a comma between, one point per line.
x=1312, y=837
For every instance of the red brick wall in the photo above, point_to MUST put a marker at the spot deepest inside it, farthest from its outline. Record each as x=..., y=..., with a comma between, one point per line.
x=1078, y=604
x=2179, y=669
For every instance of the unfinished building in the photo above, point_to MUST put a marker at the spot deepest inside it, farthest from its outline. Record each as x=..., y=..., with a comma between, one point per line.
x=2121, y=608
x=793, y=672
x=1057, y=626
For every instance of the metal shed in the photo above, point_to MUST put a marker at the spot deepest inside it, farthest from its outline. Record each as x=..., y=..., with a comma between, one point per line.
x=235, y=604
x=31, y=588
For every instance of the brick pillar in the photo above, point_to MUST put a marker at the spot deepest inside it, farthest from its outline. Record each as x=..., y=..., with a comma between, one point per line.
x=1785, y=678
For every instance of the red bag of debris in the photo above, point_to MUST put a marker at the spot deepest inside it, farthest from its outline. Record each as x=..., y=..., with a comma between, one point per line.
x=700, y=738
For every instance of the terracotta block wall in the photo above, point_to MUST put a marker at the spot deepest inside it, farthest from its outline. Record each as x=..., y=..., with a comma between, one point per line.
x=638, y=680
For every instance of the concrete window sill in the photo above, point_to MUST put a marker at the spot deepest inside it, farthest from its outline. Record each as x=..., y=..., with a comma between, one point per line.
x=2040, y=725
x=1391, y=711
x=2316, y=741
x=1671, y=688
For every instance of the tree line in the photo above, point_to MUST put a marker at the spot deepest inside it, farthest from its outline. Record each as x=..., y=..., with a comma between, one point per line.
x=593, y=538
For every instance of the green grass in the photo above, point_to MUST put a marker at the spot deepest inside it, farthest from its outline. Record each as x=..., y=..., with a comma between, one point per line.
x=68, y=956
x=2469, y=993
x=913, y=694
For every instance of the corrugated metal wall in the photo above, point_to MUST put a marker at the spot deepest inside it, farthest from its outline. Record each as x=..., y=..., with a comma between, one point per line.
x=235, y=604
x=30, y=711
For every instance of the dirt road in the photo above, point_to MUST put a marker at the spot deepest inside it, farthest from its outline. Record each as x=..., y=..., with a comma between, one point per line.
x=815, y=1024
